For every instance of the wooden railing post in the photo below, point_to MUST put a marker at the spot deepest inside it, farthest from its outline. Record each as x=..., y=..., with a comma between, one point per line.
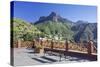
x=34, y=44
x=52, y=44
x=41, y=42
x=66, y=45
x=90, y=47
x=19, y=43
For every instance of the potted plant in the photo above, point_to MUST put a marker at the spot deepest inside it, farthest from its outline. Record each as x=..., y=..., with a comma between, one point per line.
x=39, y=49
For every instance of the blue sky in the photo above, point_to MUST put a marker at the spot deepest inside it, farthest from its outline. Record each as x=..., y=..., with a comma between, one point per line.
x=31, y=11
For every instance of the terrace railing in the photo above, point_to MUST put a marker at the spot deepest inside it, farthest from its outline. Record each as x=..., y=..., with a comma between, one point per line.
x=61, y=45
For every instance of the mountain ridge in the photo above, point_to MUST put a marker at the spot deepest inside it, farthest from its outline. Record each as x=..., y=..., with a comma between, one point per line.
x=69, y=26
x=53, y=26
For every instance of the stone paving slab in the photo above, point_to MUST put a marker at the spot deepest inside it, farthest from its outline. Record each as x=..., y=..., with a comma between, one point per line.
x=26, y=57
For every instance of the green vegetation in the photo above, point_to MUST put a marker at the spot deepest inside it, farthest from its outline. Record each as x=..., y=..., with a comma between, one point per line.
x=58, y=29
x=54, y=27
x=24, y=30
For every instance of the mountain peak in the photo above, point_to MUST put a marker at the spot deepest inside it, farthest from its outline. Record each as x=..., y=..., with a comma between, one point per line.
x=81, y=22
x=53, y=14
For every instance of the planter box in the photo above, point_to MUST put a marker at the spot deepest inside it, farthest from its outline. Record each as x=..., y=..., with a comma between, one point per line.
x=38, y=50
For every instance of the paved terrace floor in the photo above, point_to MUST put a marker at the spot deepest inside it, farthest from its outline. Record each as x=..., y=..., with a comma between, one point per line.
x=26, y=57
